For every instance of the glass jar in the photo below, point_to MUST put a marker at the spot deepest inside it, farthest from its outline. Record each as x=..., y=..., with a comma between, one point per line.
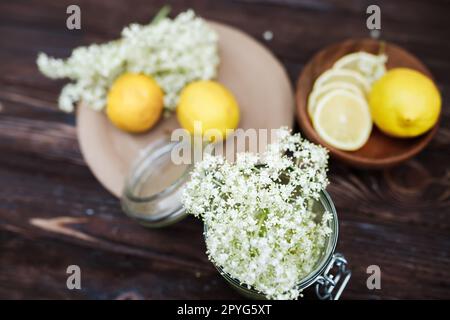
x=152, y=192
x=152, y=197
x=330, y=275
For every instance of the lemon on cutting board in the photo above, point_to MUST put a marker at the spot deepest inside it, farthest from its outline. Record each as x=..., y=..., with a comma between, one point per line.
x=404, y=103
x=211, y=105
x=134, y=102
x=342, y=119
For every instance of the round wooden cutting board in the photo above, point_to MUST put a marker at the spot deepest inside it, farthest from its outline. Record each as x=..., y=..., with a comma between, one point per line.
x=256, y=78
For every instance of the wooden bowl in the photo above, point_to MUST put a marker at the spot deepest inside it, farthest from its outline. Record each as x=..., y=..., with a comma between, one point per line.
x=381, y=150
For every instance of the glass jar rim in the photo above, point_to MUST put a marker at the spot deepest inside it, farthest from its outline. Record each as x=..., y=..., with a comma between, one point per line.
x=152, y=152
x=143, y=168
x=313, y=275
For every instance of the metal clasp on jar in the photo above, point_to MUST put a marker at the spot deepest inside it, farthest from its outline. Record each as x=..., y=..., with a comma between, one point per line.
x=329, y=285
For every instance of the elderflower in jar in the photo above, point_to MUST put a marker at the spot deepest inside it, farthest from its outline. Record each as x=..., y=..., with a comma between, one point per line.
x=270, y=227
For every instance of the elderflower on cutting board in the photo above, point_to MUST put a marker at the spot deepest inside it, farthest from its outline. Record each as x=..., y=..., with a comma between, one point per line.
x=174, y=52
x=260, y=227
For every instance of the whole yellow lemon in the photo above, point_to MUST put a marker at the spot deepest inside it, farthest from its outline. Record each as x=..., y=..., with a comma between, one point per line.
x=209, y=104
x=135, y=102
x=404, y=103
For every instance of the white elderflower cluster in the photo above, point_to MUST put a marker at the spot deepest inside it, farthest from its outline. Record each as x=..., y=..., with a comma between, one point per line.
x=174, y=52
x=260, y=228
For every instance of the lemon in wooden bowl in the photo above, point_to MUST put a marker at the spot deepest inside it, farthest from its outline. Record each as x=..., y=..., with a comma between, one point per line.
x=404, y=103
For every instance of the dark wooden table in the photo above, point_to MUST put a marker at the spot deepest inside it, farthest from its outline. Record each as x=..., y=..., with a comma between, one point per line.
x=53, y=213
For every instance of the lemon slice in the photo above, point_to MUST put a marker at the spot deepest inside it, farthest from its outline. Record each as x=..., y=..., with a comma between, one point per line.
x=318, y=93
x=342, y=119
x=345, y=75
x=369, y=65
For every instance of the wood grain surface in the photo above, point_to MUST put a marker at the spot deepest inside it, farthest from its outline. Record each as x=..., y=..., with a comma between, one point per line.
x=53, y=213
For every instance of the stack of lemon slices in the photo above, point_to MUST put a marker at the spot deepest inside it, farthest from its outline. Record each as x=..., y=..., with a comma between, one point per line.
x=338, y=104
